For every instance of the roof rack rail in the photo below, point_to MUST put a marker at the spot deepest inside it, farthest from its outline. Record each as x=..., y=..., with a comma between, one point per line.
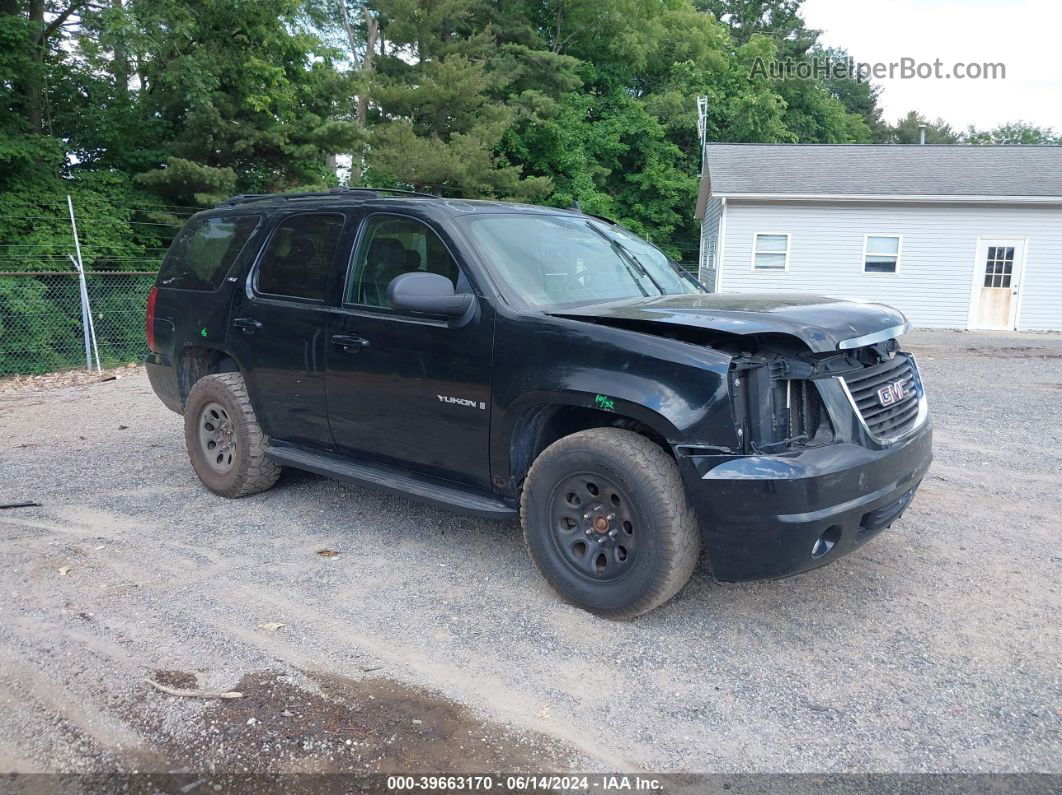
x=245, y=198
x=401, y=191
x=606, y=219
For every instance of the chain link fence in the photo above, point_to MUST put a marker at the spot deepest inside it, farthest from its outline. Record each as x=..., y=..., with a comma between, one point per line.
x=41, y=326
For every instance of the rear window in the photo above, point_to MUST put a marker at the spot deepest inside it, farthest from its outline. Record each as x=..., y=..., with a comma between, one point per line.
x=202, y=254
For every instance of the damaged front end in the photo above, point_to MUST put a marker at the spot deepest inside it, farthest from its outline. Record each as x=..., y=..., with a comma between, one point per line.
x=827, y=435
x=786, y=397
x=831, y=449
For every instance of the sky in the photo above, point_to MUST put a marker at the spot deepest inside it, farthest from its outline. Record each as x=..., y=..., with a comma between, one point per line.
x=1022, y=34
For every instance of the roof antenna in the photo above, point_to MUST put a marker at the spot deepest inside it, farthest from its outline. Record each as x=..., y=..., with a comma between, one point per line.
x=575, y=206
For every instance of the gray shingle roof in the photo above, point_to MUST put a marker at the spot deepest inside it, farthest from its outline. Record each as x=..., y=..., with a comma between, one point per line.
x=885, y=169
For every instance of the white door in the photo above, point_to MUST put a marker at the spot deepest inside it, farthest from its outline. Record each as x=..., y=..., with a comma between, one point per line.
x=995, y=294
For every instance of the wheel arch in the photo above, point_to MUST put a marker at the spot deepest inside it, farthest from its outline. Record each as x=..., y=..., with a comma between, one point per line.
x=196, y=361
x=537, y=424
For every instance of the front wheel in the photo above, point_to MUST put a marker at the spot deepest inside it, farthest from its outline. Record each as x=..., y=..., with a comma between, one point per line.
x=607, y=522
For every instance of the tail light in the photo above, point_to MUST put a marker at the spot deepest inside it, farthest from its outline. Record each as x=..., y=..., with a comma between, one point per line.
x=149, y=323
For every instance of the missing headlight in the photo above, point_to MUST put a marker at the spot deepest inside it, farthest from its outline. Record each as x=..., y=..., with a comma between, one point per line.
x=775, y=411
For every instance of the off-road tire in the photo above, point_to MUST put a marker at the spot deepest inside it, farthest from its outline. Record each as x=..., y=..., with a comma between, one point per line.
x=251, y=471
x=665, y=525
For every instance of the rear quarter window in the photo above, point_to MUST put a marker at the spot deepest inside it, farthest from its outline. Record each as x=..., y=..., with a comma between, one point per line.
x=205, y=250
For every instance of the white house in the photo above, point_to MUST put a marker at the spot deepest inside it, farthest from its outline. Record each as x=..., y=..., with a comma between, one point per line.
x=953, y=236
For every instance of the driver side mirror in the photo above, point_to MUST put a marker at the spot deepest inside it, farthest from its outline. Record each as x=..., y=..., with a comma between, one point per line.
x=428, y=293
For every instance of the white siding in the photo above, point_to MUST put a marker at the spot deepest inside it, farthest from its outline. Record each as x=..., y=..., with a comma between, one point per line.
x=1040, y=307
x=935, y=277
x=709, y=241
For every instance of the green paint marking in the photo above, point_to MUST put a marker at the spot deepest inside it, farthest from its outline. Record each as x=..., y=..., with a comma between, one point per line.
x=203, y=332
x=605, y=403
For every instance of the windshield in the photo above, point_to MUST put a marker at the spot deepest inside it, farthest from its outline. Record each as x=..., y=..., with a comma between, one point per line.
x=552, y=261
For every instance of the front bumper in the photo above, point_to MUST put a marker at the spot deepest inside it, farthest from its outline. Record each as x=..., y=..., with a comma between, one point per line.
x=769, y=516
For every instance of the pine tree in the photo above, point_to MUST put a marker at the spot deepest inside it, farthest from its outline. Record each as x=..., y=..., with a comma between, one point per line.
x=446, y=89
x=249, y=99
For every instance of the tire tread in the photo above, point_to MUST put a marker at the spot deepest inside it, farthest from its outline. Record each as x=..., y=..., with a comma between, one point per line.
x=257, y=472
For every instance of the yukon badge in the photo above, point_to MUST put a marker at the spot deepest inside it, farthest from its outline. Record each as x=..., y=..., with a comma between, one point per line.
x=472, y=404
x=893, y=393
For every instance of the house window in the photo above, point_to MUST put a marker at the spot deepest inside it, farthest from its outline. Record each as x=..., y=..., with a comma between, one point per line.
x=881, y=253
x=770, y=251
x=709, y=255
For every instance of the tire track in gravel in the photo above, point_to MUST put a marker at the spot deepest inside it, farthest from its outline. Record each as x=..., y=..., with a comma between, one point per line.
x=475, y=687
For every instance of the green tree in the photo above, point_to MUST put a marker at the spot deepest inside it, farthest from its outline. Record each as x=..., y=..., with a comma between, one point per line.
x=447, y=87
x=33, y=30
x=50, y=151
x=857, y=94
x=248, y=97
x=815, y=109
x=183, y=102
x=907, y=130
x=1019, y=132
x=778, y=19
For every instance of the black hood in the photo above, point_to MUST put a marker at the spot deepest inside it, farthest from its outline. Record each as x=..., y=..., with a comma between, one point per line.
x=822, y=323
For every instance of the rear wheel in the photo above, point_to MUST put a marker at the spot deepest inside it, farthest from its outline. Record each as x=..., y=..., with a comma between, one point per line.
x=607, y=522
x=224, y=441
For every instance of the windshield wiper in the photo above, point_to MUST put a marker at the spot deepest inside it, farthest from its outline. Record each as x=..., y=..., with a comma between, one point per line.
x=630, y=260
x=641, y=266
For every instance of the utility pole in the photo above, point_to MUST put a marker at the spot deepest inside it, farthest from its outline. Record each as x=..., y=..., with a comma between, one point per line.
x=702, y=125
x=87, y=325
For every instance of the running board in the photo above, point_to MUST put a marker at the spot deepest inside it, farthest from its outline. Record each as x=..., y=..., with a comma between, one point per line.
x=395, y=481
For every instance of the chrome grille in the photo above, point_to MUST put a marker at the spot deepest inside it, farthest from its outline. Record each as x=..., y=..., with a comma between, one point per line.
x=885, y=421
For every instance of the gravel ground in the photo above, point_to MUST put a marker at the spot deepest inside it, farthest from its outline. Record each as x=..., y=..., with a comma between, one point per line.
x=933, y=648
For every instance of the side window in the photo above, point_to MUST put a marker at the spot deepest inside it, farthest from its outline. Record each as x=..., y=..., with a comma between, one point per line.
x=390, y=246
x=298, y=260
x=205, y=250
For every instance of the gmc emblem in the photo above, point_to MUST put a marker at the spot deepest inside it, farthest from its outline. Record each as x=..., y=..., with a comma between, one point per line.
x=893, y=393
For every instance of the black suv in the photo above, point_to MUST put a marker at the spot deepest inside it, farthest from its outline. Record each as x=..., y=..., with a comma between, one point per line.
x=510, y=360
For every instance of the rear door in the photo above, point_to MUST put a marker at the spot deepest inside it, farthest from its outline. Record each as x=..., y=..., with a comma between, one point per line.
x=412, y=391
x=278, y=324
x=197, y=280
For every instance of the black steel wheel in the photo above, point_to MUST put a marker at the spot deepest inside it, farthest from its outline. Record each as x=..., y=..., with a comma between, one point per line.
x=608, y=523
x=593, y=525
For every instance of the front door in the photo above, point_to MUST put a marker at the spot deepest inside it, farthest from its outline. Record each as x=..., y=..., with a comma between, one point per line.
x=278, y=324
x=995, y=293
x=407, y=390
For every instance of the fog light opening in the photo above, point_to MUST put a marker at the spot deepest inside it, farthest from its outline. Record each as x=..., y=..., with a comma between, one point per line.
x=827, y=541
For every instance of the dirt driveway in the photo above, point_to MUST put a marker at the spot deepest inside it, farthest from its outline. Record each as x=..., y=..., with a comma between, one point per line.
x=429, y=642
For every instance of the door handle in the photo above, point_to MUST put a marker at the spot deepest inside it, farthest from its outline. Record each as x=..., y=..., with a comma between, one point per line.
x=350, y=343
x=248, y=324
